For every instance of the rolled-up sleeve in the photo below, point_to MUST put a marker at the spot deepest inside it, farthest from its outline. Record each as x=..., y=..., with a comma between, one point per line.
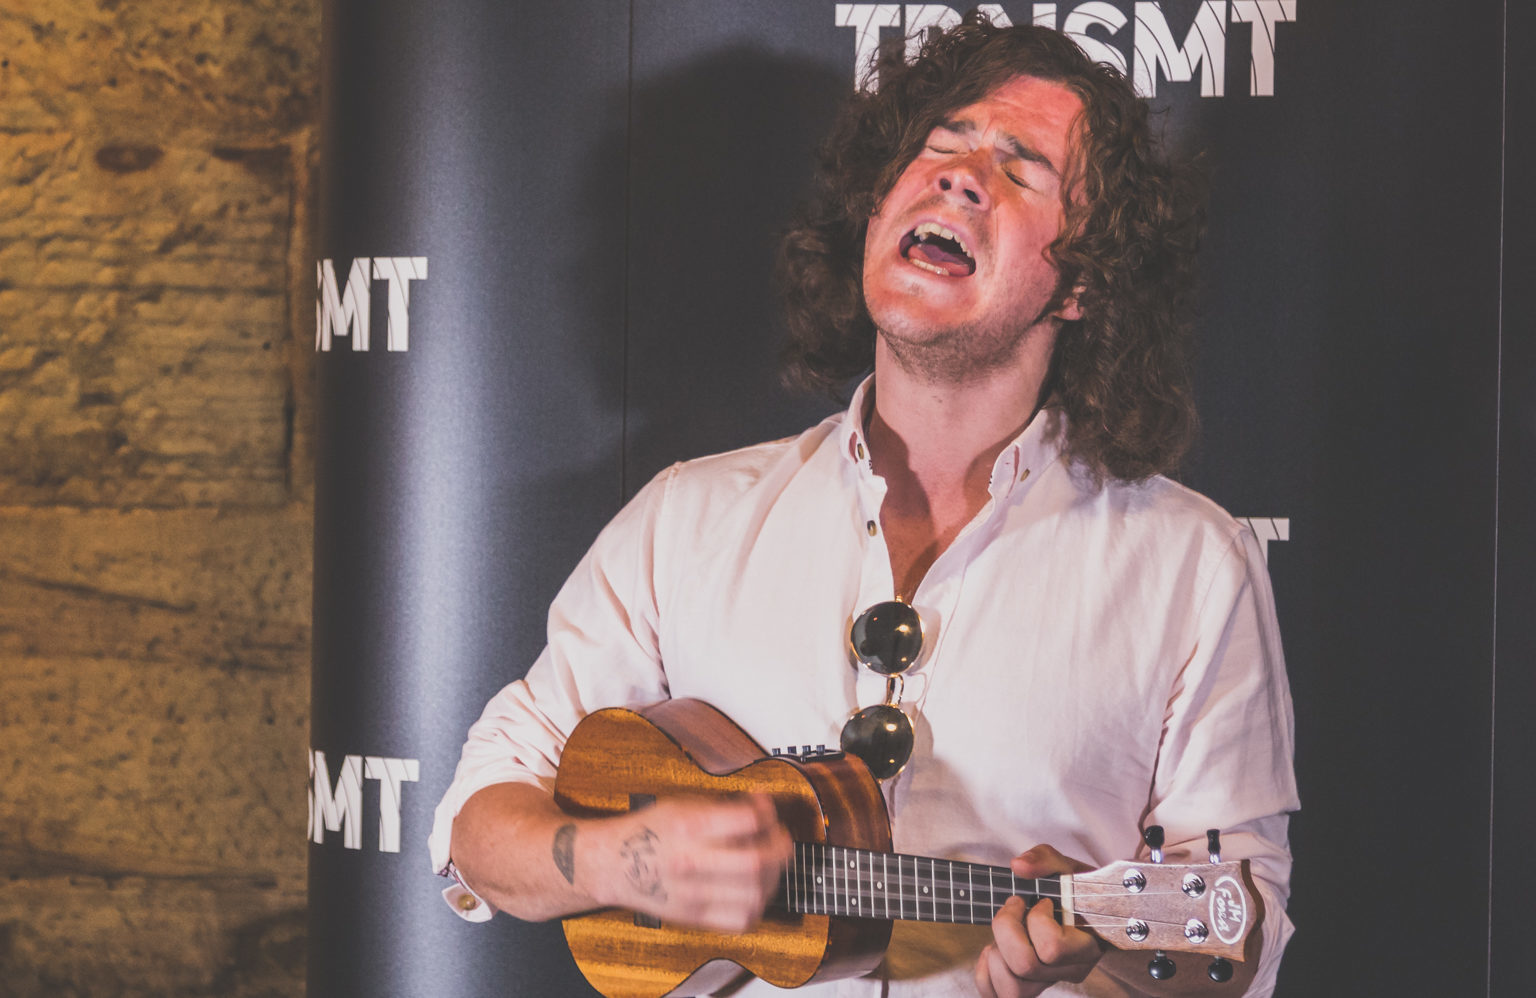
x=1228, y=742
x=602, y=650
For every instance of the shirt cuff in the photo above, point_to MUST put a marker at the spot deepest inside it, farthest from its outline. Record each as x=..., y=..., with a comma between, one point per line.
x=462, y=898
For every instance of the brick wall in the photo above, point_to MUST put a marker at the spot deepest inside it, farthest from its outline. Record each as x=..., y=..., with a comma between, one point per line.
x=156, y=207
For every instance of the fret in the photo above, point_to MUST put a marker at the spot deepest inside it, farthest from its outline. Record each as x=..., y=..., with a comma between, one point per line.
x=875, y=884
x=867, y=886
x=839, y=884
x=855, y=885
x=885, y=875
x=922, y=891
x=951, y=891
x=834, y=890
x=860, y=892
x=813, y=872
x=902, y=884
x=799, y=877
x=831, y=880
x=851, y=885
x=821, y=881
x=808, y=880
x=793, y=875
x=808, y=874
x=854, y=889
x=901, y=879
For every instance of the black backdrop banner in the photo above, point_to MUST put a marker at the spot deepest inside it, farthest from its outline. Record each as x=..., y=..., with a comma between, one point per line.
x=544, y=274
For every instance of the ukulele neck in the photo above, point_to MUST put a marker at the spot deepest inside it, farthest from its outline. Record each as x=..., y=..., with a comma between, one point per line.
x=835, y=880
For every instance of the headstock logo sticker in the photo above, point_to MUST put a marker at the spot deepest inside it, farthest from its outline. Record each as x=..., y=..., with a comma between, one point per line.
x=1229, y=911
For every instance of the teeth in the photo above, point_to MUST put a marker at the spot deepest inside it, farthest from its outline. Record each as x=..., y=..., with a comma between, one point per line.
x=943, y=232
x=928, y=266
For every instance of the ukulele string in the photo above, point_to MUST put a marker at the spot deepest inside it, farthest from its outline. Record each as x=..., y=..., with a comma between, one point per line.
x=1091, y=920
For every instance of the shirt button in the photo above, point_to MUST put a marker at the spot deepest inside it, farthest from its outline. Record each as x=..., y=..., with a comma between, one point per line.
x=1023, y=474
x=859, y=450
x=870, y=526
x=468, y=902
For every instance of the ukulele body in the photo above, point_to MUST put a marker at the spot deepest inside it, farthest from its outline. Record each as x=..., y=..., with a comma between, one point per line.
x=617, y=760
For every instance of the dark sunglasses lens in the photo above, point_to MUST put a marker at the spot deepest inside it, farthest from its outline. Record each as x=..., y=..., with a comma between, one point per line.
x=882, y=737
x=887, y=637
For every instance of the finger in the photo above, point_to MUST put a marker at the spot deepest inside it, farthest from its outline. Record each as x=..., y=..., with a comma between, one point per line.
x=1044, y=861
x=984, y=972
x=772, y=836
x=729, y=911
x=1010, y=939
x=757, y=867
x=728, y=819
x=1000, y=981
x=1034, y=948
x=1071, y=952
x=707, y=904
x=767, y=814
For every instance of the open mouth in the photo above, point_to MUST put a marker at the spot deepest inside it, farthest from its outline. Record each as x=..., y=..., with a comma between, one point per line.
x=935, y=248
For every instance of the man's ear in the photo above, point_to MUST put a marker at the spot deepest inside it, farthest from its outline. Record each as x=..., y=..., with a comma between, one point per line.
x=1069, y=310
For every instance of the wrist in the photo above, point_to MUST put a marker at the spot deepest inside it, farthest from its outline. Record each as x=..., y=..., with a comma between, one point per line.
x=594, y=843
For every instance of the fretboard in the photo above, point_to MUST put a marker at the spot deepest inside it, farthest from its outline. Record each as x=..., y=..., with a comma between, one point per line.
x=834, y=880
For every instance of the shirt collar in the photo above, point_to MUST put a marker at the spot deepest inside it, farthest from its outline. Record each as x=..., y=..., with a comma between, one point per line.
x=855, y=447
x=1025, y=456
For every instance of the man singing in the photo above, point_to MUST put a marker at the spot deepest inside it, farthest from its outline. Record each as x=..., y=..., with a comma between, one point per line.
x=997, y=240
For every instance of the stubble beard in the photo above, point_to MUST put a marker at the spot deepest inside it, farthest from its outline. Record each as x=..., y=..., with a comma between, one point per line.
x=959, y=354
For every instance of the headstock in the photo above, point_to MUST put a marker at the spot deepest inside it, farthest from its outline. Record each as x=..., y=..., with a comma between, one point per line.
x=1205, y=908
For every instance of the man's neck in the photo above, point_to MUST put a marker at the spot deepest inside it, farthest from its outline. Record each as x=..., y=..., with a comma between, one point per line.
x=935, y=443
x=943, y=437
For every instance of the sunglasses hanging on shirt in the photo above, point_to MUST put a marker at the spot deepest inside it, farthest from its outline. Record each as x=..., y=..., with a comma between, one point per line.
x=886, y=638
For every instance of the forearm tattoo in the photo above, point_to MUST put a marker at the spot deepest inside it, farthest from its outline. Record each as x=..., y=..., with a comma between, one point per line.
x=564, y=852
x=642, y=866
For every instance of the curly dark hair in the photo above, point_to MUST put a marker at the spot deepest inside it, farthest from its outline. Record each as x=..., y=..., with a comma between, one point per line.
x=1133, y=222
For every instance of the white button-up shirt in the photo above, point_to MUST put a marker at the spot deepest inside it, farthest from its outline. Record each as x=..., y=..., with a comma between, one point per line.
x=1096, y=660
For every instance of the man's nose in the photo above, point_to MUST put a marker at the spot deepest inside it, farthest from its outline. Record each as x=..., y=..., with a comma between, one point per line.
x=961, y=179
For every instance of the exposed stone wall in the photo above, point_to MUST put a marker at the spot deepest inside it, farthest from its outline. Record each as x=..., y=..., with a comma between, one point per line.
x=156, y=168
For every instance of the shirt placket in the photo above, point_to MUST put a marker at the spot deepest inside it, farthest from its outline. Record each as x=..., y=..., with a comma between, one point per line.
x=938, y=595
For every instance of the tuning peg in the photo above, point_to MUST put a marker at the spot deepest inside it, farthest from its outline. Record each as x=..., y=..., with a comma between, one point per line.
x=1153, y=837
x=1220, y=970
x=1213, y=843
x=1161, y=968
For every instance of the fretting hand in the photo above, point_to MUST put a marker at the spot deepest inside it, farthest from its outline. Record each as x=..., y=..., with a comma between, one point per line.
x=1030, y=951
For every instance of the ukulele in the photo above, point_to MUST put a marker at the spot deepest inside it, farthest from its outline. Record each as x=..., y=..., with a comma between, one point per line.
x=843, y=886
